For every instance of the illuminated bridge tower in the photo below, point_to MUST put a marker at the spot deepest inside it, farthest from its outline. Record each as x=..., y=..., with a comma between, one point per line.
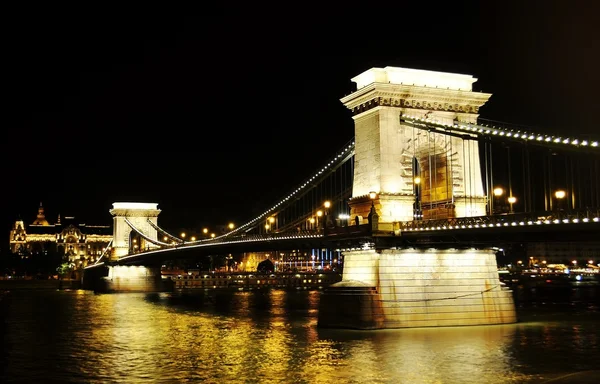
x=138, y=214
x=404, y=165
x=113, y=277
x=415, y=286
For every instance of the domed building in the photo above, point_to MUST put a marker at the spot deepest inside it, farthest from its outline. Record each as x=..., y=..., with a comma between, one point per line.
x=41, y=217
x=79, y=244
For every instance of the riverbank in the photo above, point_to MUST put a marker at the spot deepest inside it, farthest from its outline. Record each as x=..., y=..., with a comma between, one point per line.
x=14, y=284
x=245, y=281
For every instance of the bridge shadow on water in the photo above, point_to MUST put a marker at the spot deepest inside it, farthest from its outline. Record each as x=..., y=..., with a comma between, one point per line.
x=255, y=305
x=556, y=302
x=532, y=303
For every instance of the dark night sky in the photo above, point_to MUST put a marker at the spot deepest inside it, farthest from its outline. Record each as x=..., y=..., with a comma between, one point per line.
x=215, y=114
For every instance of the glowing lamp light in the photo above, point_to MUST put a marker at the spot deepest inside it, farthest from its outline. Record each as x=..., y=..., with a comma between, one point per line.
x=560, y=194
x=498, y=191
x=512, y=199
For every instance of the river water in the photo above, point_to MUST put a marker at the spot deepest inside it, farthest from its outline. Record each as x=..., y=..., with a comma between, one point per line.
x=271, y=336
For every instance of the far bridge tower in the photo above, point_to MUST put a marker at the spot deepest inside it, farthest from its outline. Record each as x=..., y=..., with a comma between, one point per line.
x=139, y=215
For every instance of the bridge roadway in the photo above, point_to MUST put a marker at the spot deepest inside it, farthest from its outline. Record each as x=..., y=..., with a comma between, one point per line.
x=482, y=231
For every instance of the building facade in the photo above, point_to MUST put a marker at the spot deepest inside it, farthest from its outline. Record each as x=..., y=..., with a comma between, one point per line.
x=79, y=244
x=568, y=253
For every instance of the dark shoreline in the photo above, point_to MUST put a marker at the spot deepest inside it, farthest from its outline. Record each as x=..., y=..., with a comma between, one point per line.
x=29, y=284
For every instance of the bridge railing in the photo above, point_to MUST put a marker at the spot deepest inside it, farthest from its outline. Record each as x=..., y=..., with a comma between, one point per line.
x=529, y=218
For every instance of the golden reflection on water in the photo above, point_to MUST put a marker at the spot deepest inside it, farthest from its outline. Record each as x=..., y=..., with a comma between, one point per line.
x=144, y=340
x=271, y=337
x=426, y=355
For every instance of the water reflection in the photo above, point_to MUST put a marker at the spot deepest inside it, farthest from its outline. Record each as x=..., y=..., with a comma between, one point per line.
x=268, y=337
x=436, y=355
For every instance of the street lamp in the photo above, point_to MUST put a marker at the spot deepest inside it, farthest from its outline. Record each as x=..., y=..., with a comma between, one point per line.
x=231, y=226
x=271, y=221
x=319, y=214
x=511, y=201
x=344, y=217
x=372, y=196
x=327, y=205
x=497, y=193
x=559, y=194
x=417, y=208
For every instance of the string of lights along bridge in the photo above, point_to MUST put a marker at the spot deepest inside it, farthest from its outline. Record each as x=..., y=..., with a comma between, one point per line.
x=564, y=183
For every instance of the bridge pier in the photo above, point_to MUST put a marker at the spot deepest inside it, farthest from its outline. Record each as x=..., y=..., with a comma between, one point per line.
x=123, y=278
x=407, y=288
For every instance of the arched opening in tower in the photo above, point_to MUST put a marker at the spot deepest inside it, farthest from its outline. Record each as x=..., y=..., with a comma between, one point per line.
x=136, y=242
x=432, y=186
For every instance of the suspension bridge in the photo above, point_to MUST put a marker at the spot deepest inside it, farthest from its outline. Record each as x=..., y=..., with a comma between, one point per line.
x=425, y=191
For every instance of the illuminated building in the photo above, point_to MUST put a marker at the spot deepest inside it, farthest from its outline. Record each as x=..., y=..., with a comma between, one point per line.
x=563, y=252
x=80, y=244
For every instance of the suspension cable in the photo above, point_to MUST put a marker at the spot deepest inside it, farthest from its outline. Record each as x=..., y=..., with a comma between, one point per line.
x=146, y=237
x=170, y=236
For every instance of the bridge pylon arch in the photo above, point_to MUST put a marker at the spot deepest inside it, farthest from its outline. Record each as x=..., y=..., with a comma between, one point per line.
x=385, y=144
x=141, y=215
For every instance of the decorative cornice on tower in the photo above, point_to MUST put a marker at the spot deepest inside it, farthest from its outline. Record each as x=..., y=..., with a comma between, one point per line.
x=414, y=89
x=404, y=96
x=134, y=213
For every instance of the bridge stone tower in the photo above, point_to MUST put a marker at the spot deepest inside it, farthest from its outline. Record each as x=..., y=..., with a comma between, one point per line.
x=138, y=215
x=420, y=286
x=388, y=151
